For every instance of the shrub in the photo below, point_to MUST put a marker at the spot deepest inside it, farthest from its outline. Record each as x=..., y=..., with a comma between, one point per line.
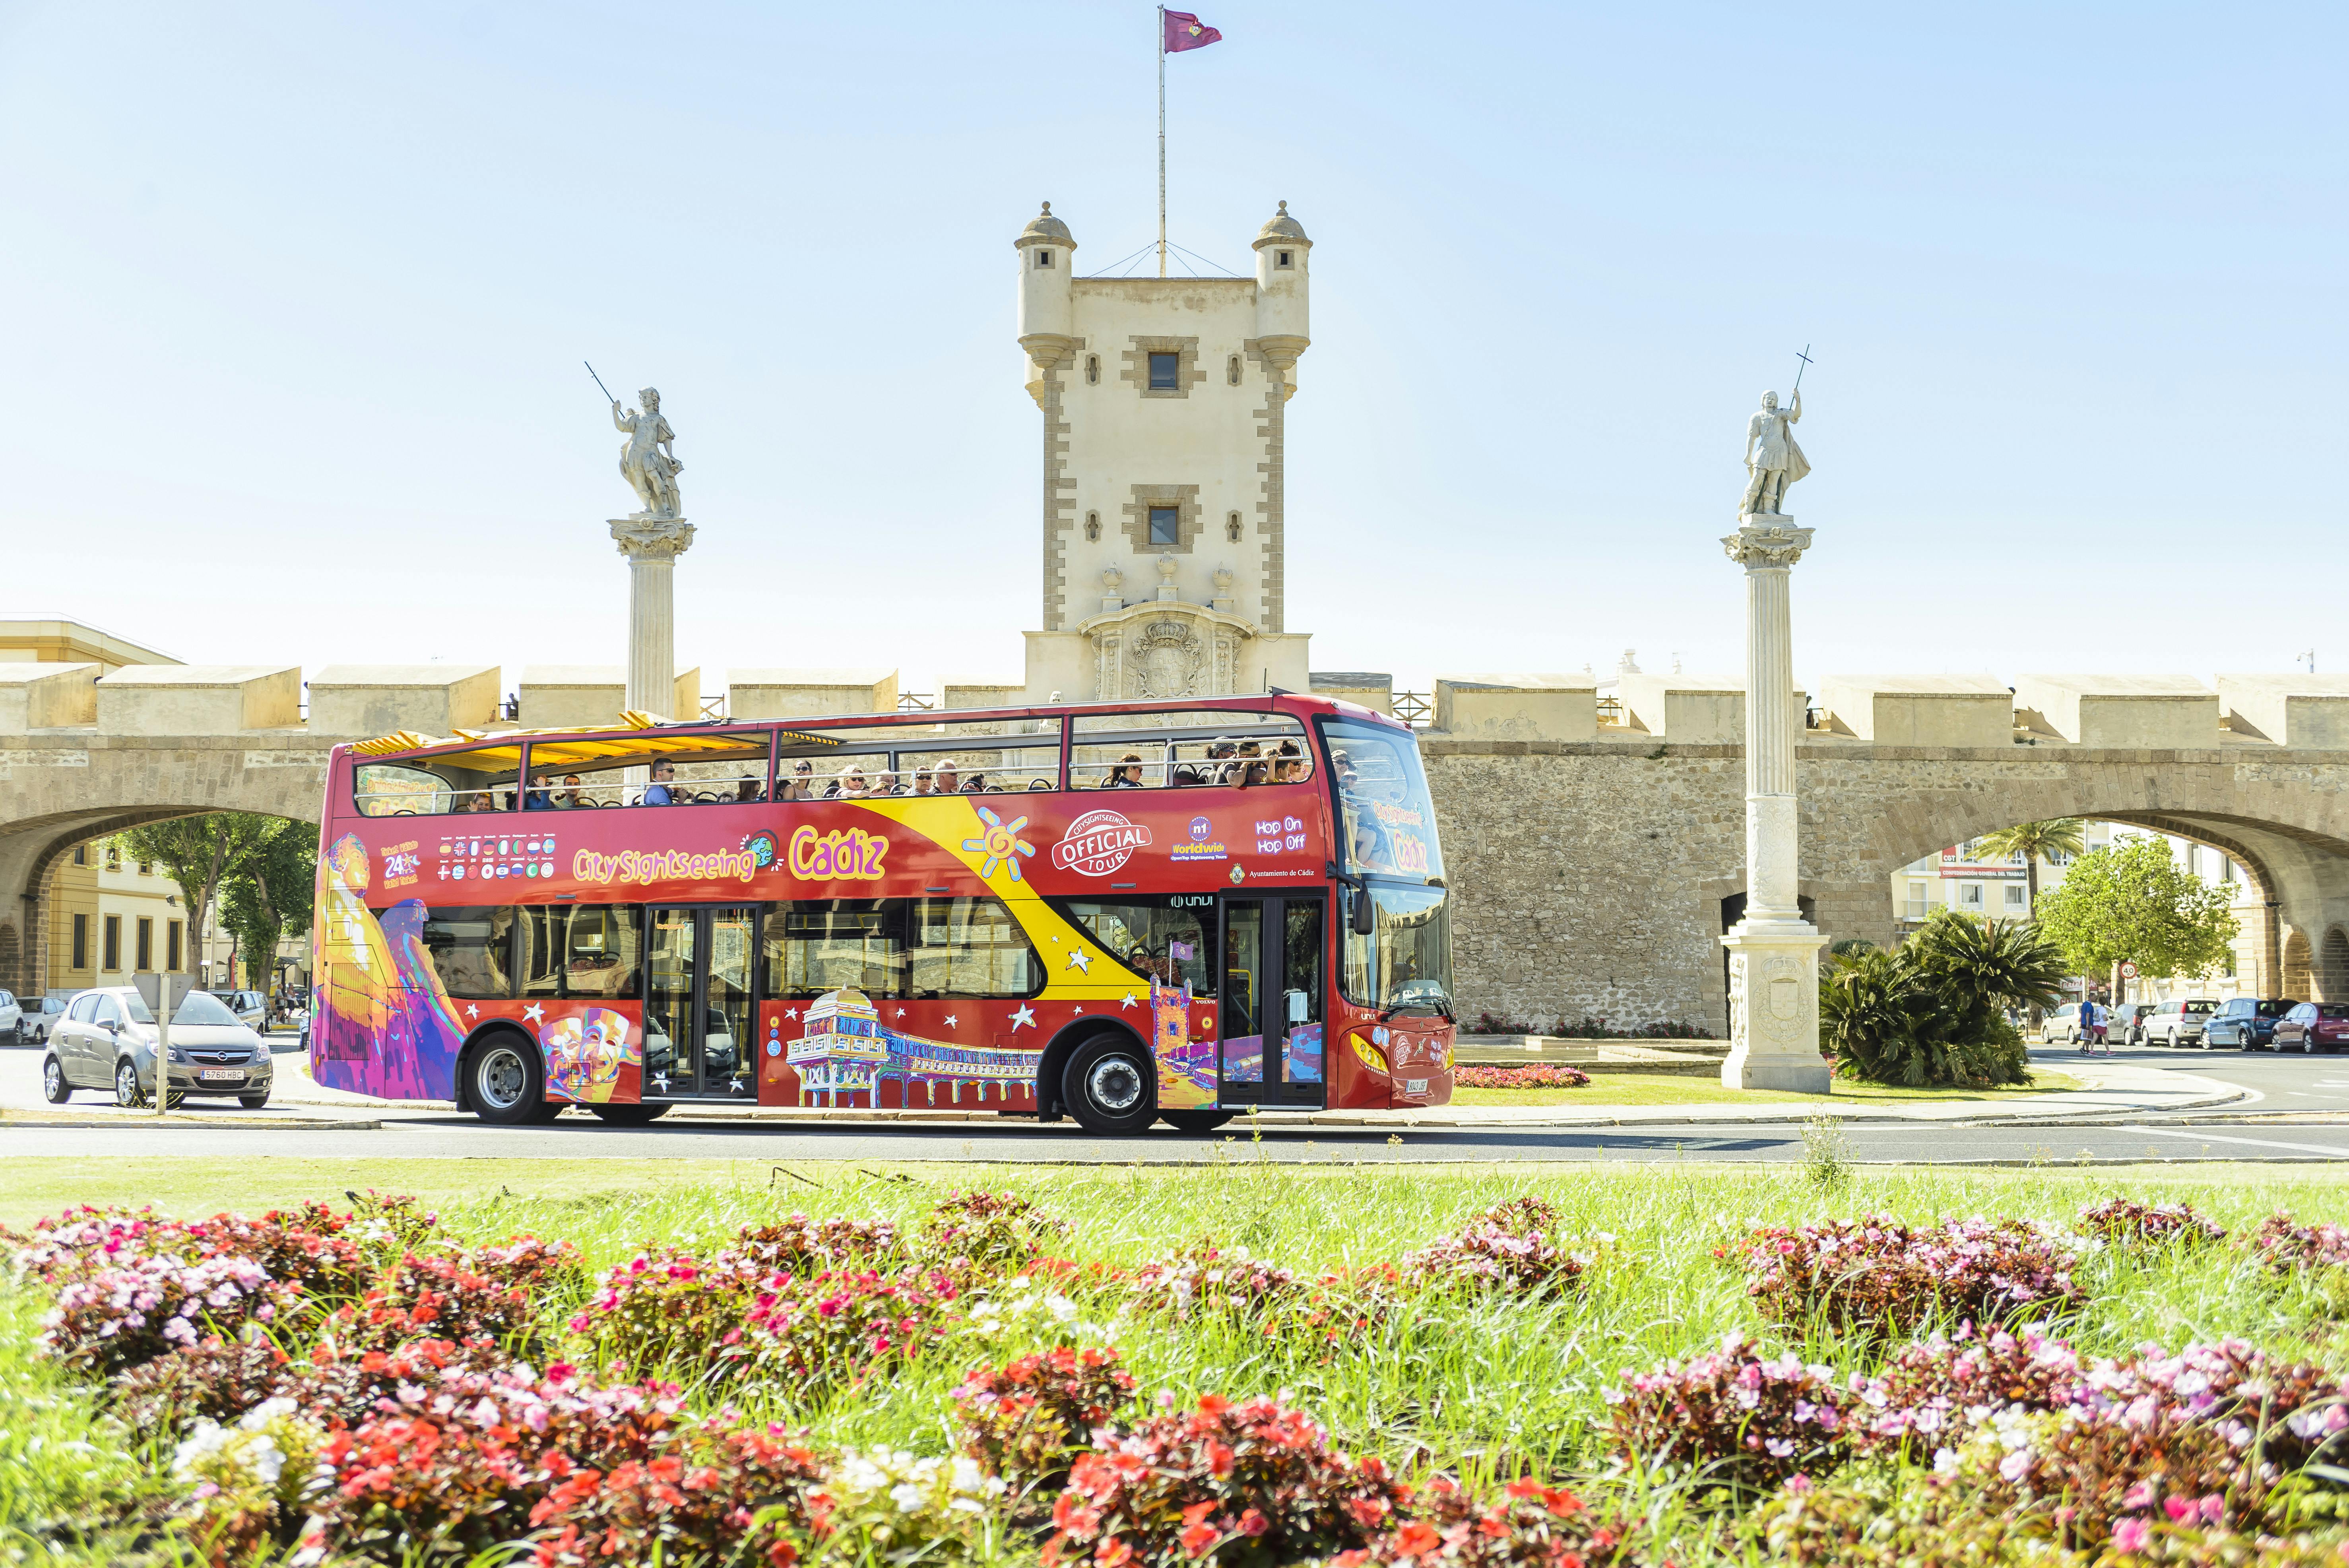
x=113, y=1318
x=1024, y=1421
x=2287, y=1248
x=216, y=1380
x=248, y=1484
x=1210, y=1280
x=1895, y=1521
x=1532, y=1525
x=895, y=1507
x=1533, y=1075
x=1930, y=1012
x=2121, y=1222
x=1939, y=1390
x=1506, y=1247
x=990, y=1230
x=670, y=1308
x=1735, y=1415
x=1246, y=1483
x=438, y=1297
x=1879, y=1276
x=2089, y=1470
x=801, y=1245
x=810, y=1336
x=703, y=1493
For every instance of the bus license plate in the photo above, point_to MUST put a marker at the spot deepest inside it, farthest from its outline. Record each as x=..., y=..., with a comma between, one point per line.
x=222, y=1073
x=1414, y=1085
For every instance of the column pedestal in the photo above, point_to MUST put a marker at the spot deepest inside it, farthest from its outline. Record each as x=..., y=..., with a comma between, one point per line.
x=1774, y=986
x=652, y=545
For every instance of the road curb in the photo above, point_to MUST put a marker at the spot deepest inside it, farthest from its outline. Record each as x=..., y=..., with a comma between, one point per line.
x=152, y=1124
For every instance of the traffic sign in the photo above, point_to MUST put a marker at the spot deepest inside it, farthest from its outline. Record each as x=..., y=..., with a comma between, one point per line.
x=2129, y=971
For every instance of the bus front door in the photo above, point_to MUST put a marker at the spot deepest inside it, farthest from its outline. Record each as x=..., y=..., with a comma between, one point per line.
x=698, y=1002
x=1269, y=1027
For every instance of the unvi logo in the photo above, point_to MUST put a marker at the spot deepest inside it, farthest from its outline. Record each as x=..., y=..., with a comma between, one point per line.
x=1098, y=842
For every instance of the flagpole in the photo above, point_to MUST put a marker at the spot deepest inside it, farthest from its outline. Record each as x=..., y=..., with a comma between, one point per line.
x=1162, y=142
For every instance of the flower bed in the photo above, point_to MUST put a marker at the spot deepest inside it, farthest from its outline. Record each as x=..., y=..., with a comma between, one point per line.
x=1735, y=1414
x=1533, y=1075
x=1881, y=1277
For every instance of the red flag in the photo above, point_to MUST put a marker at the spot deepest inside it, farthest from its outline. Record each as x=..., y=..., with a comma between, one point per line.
x=1185, y=31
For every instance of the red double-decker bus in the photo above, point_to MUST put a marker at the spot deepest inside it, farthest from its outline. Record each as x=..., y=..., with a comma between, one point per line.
x=1119, y=912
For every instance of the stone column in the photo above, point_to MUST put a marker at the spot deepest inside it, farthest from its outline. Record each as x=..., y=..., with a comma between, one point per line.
x=1773, y=990
x=652, y=545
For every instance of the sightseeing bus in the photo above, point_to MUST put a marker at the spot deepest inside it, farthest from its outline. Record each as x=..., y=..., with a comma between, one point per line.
x=1121, y=913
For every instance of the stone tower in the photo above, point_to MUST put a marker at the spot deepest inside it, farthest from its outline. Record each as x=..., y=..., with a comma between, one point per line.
x=1165, y=402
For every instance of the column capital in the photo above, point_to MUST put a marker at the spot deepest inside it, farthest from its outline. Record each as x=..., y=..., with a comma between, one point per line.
x=1762, y=542
x=652, y=537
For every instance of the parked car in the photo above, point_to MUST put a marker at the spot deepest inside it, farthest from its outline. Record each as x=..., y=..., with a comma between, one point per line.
x=2246, y=1024
x=2308, y=1028
x=2179, y=1022
x=12, y=1017
x=35, y=1020
x=2062, y=1026
x=251, y=1009
x=107, y=1040
x=2128, y=1026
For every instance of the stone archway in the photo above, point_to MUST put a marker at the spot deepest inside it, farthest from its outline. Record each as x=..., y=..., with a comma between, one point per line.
x=2296, y=974
x=2333, y=966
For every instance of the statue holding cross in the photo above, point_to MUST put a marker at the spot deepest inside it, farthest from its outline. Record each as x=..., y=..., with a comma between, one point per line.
x=1772, y=460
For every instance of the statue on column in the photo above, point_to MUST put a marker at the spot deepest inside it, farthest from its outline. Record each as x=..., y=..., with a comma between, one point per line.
x=647, y=462
x=1773, y=461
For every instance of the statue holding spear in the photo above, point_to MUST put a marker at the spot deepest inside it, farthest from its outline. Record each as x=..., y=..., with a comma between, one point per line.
x=648, y=462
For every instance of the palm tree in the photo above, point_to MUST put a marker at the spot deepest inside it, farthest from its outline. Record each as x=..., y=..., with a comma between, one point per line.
x=2035, y=841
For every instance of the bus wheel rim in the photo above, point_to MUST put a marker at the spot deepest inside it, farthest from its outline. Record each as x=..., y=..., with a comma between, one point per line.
x=1113, y=1084
x=500, y=1078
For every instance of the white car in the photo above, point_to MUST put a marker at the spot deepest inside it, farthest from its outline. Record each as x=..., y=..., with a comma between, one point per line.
x=36, y=1021
x=12, y=1017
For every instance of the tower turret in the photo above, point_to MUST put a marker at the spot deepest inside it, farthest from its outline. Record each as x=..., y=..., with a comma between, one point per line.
x=1282, y=324
x=1047, y=253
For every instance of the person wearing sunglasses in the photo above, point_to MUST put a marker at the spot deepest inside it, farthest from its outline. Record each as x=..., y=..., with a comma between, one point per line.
x=662, y=790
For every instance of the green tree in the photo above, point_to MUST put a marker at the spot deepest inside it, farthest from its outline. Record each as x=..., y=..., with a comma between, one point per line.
x=199, y=854
x=1932, y=1012
x=2133, y=904
x=2034, y=841
x=269, y=893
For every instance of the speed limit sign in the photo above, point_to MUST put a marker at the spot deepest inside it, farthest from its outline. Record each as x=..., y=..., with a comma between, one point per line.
x=2129, y=971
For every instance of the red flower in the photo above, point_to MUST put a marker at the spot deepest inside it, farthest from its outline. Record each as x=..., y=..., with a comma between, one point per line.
x=1416, y=1539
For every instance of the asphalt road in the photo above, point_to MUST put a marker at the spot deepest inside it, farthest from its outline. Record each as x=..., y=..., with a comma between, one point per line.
x=2285, y=1124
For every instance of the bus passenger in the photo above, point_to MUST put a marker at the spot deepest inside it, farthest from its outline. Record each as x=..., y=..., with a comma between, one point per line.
x=1288, y=764
x=1126, y=775
x=977, y=785
x=849, y=786
x=922, y=785
x=539, y=798
x=886, y=783
x=801, y=784
x=569, y=800
x=662, y=790
x=949, y=781
x=747, y=790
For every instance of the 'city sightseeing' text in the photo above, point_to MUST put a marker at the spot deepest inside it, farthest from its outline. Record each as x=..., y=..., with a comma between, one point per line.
x=662, y=865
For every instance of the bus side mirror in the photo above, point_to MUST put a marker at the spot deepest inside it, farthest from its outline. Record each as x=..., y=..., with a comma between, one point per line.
x=1365, y=920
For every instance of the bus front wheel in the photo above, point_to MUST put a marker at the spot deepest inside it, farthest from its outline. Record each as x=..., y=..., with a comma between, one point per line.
x=1109, y=1087
x=503, y=1077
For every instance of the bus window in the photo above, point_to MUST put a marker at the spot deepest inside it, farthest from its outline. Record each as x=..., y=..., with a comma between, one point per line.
x=968, y=947
x=471, y=949
x=1170, y=938
x=1141, y=766
x=980, y=769
x=1406, y=961
x=812, y=948
x=1387, y=822
x=449, y=785
x=582, y=951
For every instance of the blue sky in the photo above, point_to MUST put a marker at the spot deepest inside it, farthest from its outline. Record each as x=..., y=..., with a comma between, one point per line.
x=295, y=300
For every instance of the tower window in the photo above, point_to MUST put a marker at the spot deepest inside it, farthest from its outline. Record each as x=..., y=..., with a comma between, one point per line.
x=1283, y=258
x=1092, y=525
x=1232, y=370
x=1231, y=528
x=1166, y=372
x=1044, y=259
x=1165, y=522
x=1092, y=369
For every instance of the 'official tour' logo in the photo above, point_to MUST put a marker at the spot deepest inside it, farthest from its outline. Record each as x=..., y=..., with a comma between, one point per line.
x=1098, y=842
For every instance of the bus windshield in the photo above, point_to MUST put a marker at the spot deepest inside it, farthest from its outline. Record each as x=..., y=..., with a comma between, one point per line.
x=1406, y=961
x=1388, y=823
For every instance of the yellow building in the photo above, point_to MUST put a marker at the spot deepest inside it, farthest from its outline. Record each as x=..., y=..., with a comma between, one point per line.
x=111, y=917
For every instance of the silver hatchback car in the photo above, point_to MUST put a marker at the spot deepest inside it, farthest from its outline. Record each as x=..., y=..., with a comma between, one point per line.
x=107, y=1041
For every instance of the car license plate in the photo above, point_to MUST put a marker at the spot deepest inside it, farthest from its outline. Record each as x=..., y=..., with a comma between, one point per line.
x=222, y=1073
x=1414, y=1085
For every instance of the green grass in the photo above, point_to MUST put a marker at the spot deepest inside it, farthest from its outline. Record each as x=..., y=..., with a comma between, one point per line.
x=1479, y=1386
x=1682, y=1089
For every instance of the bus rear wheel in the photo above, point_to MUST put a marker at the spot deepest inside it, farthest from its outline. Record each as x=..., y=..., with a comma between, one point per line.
x=1195, y=1121
x=1110, y=1087
x=628, y=1115
x=502, y=1076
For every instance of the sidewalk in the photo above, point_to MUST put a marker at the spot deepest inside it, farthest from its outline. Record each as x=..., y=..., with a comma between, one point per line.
x=2112, y=1091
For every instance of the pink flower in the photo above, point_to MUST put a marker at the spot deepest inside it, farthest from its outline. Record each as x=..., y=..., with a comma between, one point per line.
x=2131, y=1535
